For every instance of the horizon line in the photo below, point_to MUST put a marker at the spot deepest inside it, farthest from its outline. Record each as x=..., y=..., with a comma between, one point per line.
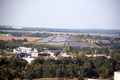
x=53, y=27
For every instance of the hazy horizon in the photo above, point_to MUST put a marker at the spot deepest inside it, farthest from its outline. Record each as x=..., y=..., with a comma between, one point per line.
x=18, y=27
x=66, y=28
x=61, y=14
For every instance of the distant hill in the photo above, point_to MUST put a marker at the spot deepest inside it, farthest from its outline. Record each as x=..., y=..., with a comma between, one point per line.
x=88, y=31
x=6, y=27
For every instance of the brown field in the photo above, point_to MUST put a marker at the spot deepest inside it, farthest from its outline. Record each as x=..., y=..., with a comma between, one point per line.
x=30, y=39
x=55, y=79
x=66, y=79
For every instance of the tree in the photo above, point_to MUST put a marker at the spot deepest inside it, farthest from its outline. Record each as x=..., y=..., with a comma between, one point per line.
x=67, y=48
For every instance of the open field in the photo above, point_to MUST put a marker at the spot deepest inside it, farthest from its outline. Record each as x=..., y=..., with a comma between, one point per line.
x=60, y=40
x=30, y=39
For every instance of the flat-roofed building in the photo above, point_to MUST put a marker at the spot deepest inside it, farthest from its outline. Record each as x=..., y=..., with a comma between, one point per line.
x=117, y=75
x=27, y=51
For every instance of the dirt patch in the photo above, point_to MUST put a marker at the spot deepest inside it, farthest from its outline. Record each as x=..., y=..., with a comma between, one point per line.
x=30, y=39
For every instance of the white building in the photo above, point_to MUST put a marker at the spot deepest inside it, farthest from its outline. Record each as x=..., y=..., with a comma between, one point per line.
x=32, y=51
x=64, y=55
x=117, y=75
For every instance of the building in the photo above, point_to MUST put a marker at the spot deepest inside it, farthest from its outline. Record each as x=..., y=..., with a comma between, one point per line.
x=30, y=54
x=24, y=52
x=117, y=75
x=64, y=55
x=22, y=55
x=44, y=55
x=54, y=53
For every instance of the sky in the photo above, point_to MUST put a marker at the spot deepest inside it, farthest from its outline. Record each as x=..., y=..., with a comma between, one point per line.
x=71, y=14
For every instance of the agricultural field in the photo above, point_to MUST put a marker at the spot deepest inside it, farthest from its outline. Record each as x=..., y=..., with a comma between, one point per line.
x=56, y=79
x=30, y=39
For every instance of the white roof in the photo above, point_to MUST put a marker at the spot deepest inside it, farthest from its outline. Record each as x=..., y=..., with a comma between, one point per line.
x=25, y=48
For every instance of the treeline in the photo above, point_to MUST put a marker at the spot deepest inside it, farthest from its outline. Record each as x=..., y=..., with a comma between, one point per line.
x=112, y=41
x=96, y=37
x=6, y=27
x=76, y=67
x=12, y=44
x=9, y=45
x=79, y=67
x=29, y=34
